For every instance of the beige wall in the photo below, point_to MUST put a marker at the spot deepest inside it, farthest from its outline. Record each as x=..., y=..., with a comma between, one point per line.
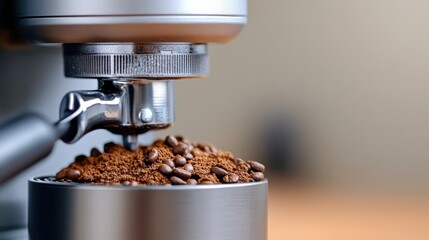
x=354, y=74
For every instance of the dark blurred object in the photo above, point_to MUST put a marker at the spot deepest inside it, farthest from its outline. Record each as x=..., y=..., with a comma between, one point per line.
x=9, y=36
x=279, y=146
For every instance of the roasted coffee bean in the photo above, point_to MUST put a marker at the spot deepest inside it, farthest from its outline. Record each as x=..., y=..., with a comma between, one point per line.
x=206, y=182
x=190, y=147
x=95, y=153
x=230, y=178
x=182, y=173
x=179, y=161
x=257, y=176
x=80, y=158
x=180, y=138
x=239, y=161
x=73, y=174
x=191, y=181
x=206, y=149
x=171, y=141
x=180, y=149
x=170, y=163
x=220, y=172
x=212, y=148
x=135, y=183
x=257, y=167
x=109, y=147
x=165, y=169
x=188, y=167
x=152, y=155
x=151, y=183
x=126, y=183
x=248, y=167
x=61, y=174
x=189, y=156
x=177, y=181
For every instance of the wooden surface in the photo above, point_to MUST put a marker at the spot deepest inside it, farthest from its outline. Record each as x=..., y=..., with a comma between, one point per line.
x=301, y=213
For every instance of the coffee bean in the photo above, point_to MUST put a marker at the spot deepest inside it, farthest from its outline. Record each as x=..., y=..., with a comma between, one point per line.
x=153, y=155
x=182, y=173
x=220, y=172
x=80, y=158
x=95, y=153
x=165, y=169
x=109, y=147
x=190, y=147
x=135, y=183
x=212, y=148
x=189, y=156
x=248, y=167
x=180, y=149
x=179, y=161
x=73, y=174
x=206, y=149
x=206, y=182
x=257, y=167
x=191, y=181
x=239, y=161
x=151, y=183
x=170, y=163
x=171, y=141
x=61, y=174
x=257, y=176
x=180, y=138
x=188, y=167
x=126, y=183
x=177, y=181
x=230, y=178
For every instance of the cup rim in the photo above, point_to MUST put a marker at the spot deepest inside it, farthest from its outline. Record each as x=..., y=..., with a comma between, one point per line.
x=47, y=181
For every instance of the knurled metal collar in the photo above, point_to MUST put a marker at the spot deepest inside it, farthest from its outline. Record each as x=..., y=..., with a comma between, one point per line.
x=130, y=60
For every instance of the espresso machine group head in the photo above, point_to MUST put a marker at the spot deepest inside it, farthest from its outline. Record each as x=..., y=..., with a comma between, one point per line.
x=135, y=49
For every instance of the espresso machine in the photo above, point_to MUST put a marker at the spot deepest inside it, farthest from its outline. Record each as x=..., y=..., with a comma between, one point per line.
x=134, y=50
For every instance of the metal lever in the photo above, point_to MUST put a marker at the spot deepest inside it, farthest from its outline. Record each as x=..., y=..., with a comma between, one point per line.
x=24, y=141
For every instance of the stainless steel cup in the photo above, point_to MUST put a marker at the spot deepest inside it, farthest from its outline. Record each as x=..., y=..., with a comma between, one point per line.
x=70, y=211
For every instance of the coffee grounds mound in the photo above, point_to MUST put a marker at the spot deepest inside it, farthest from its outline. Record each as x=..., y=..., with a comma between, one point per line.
x=173, y=161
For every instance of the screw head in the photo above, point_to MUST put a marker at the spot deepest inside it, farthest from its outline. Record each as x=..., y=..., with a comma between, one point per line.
x=146, y=115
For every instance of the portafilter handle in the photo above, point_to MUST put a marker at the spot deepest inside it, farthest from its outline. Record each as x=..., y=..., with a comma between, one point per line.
x=24, y=141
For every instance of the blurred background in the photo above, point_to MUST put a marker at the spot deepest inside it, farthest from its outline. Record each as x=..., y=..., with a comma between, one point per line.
x=331, y=95
x=345, y=80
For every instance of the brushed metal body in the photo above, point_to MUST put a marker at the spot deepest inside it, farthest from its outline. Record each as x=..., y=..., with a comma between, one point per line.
x=82, y=21
x=89, y=212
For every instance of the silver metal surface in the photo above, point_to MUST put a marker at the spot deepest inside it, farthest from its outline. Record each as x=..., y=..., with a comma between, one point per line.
x=15, y=234
x=90, y=212
x=82, y=21
x=130, y=142
x=58, y=8
x=117, y=107
x=24, y=141
x=133, y=60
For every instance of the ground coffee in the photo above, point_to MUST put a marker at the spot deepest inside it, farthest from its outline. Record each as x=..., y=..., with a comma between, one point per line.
x=174, y=160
